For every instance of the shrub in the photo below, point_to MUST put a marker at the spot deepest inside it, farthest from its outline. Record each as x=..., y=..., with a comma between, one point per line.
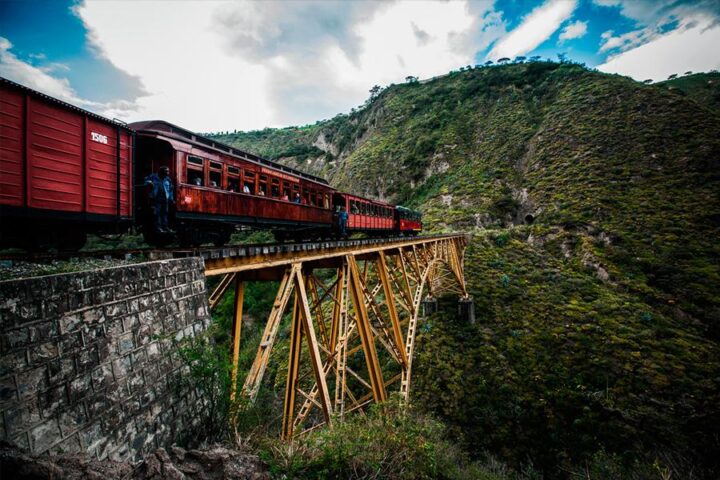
x=387, y=443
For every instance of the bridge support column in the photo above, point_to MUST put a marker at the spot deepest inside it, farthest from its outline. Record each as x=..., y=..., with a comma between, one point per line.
x=236, y=331
x=466, y=309
x=429, y=306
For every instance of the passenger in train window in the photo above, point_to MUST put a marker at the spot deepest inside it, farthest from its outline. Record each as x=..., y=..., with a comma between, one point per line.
x=297, y=198
x=198, y=181
x=246, y=188
x=285, y=197
x=261, y=192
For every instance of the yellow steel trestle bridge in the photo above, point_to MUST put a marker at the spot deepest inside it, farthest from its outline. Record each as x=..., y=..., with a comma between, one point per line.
x=355, y=307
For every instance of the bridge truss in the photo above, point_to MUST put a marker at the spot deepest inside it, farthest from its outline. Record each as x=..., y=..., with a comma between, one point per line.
x=352, y=314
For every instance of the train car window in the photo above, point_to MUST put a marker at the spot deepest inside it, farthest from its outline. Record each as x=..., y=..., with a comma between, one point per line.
x=195, y=177
x=195, y=173
x=319, y=201
x=262, y=188
x=353, y=207
x=216, y=165
x=215, y=179
x=249, y=183
x=327, y=201
x=233, y=179
x=286, y=189
x=275, y=187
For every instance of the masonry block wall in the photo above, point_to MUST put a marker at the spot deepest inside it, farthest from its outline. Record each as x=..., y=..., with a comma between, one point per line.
x=89, y=361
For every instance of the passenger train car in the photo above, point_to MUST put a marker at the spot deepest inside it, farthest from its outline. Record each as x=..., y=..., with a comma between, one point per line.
x=66, y=172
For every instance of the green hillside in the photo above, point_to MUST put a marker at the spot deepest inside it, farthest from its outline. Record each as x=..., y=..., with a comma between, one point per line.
x=594, y=202
x=704, y=88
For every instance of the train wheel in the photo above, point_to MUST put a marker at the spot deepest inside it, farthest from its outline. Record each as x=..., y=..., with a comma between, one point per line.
x=222, y=237
x=156, y=239
x=189, y=236
x=72, y=240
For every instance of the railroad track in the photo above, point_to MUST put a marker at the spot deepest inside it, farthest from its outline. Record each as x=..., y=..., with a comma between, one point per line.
x=154, y=253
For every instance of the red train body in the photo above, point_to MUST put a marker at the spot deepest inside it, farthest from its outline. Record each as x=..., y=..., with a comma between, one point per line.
x=65, y=172
x=62, y=169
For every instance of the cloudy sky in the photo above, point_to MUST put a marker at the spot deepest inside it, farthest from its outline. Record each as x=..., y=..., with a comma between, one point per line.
x=227, y=65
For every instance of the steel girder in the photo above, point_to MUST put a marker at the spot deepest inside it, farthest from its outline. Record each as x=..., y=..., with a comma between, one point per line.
x=352, y=327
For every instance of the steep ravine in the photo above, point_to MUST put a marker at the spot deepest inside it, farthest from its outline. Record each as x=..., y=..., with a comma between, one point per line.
x=595, y=266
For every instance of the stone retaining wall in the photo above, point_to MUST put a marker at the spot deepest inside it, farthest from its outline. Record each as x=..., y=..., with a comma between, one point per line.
x=89, y=361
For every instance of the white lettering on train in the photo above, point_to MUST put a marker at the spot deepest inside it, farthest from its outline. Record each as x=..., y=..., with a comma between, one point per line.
x=97, y=137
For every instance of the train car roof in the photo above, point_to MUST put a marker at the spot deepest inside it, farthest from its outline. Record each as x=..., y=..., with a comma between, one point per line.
x=63, y=104
x=179, y=133
x=408, y=209
x=364, y=199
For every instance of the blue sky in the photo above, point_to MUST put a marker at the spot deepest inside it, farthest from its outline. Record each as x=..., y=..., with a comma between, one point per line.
x=226, y=65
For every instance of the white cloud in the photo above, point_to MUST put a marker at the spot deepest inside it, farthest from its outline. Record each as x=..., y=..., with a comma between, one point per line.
x=535, y=28
x=576, y=29
x=688, y=47
x=213, y=66
x=654, y=18
x=41, y=79
x=626, y=41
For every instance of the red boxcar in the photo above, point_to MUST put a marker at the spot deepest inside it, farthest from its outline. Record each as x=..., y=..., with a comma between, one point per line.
x=218, y=187
x=64, y=171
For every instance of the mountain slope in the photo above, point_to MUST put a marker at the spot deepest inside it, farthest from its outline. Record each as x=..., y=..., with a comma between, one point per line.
x=595, y=266
x=704, y=88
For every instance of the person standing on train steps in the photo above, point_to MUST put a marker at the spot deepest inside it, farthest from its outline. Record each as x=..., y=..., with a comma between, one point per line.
x=342, y=222
x=161, y=196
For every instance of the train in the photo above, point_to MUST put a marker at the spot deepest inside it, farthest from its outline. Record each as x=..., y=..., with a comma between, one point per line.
x=66, y=172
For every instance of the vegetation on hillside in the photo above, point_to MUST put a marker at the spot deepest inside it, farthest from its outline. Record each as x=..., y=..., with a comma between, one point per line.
x=595, y=268
x=704, y=88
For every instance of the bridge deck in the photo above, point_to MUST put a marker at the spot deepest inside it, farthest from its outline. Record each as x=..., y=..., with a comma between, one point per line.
x=266, y=262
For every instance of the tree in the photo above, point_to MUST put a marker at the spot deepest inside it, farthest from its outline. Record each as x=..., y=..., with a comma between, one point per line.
x=488, y=63
x=374, y=92
x=673, y=76
x=562, y=57
x=689, y=72
x=648, y=81
x=535, y=58
x=411, y=79
x=520, y=59
x=503, y=60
